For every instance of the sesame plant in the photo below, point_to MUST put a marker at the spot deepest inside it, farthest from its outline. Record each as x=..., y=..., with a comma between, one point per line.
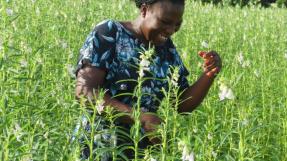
x=242, y=118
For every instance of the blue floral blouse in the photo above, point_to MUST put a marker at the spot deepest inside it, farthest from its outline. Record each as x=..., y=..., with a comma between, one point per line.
x=110, y=46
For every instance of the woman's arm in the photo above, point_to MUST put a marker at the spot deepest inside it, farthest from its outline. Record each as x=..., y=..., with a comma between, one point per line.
x=91, y=79
x=195, y=94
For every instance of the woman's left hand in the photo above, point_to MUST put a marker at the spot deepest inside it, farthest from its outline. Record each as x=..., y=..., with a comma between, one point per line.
x=212, y=63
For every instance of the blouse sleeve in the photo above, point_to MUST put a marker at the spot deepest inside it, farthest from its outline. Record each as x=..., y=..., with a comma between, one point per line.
x=99, y=47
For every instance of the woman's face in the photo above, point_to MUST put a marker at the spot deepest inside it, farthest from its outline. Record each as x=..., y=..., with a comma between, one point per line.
x=161, y=20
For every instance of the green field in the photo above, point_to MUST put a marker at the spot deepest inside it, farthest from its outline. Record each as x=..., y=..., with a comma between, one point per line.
x=39, y=46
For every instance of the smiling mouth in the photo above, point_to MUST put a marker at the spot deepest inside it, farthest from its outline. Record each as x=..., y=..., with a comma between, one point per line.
x=162, y=37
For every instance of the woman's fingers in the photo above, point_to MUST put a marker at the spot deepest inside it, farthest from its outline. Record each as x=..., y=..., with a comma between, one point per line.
x=209, y=56
x=212, y=62
x=213, y=72
x=205, y=55
x=202, y=53
x=208, y=62
x=210, y=66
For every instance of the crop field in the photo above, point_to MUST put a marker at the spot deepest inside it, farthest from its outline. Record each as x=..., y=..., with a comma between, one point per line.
x=243, y=117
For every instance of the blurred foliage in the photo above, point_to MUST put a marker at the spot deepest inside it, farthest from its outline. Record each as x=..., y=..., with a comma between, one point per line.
x=281, y=3
x=243, y=3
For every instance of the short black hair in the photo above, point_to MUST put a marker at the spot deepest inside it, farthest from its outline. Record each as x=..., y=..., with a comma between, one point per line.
x=139, y=3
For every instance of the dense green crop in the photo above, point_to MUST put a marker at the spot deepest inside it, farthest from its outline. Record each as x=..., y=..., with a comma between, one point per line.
x=39, y=45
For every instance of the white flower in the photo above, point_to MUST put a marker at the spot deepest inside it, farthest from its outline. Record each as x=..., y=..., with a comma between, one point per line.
x=184, y=55
x=13, y=24
x=79, y=18
x=40, y=122
x=244, y=37
x=209, y=136
x=220, y=29
x=38, y=11
x=225, y=93
x=144, y=63
x=256, y=72
x=84, y=121
x=245, y=122
x=181, y=144
x=46, y=135
x=199, y=65
x=27, y=158
x=123, y=87
x=23, y=63
x=204, y=44
x=174, y=82
x=17, y=127
x=18, y=138
x=175, y=77
x=245, y=14
x=152, y=159
x=120, y=6
x=71, y=70
x=244, y=63
x=147, y=156
x=71, y=55
x=97, y=137
x=240, y=58
x=214, y=154
x=100, y=106
x=64, y=44
x=17, y=132
x=9, y=12
x=29, y=49
x=187, y=156
x=39, y=60
x=141, y=73
x=285, y=55
x=195, y=130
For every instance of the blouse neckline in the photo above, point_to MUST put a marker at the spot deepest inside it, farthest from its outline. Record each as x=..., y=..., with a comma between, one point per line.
x=137, y=40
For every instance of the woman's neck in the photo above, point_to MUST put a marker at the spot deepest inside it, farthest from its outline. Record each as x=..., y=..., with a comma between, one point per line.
x=135, y=28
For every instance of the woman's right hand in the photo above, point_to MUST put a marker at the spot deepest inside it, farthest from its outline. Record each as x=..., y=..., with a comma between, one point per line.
x=149, y=123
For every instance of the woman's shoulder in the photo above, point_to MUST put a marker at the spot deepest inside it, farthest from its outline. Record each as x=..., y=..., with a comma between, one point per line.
x=110, y=27
x=107, y=25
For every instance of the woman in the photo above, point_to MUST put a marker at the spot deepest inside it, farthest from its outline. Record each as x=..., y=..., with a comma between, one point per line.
x=111, y=52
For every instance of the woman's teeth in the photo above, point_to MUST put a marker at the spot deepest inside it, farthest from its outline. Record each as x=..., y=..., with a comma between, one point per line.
x=163, y=37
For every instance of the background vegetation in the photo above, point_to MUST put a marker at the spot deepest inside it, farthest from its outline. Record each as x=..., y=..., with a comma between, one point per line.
x=243, y=3
x=39, y=45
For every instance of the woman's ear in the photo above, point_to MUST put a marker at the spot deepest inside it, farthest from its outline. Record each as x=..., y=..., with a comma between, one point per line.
x=143, y=10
